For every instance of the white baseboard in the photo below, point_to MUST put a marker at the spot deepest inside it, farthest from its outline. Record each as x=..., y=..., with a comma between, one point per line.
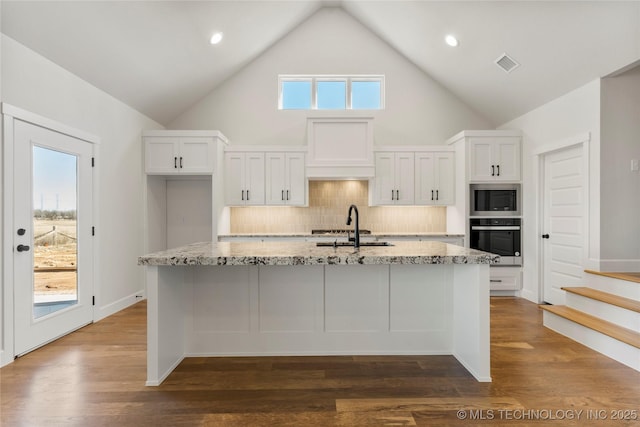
x=4, y=362
x=529, y=295
x=109, y=309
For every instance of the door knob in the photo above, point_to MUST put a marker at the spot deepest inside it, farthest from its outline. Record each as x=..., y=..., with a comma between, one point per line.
x=22, y=248
x=545, y=236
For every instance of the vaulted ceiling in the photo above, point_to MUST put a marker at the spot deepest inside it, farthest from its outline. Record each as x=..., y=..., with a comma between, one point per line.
x=156, y=56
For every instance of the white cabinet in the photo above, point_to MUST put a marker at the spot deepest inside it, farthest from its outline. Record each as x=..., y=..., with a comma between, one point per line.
x=394, y=179
x=173, y=154
x=494, y=159
x=505, y=278
x=285, y=179
x=244, y=178
x=434, y=178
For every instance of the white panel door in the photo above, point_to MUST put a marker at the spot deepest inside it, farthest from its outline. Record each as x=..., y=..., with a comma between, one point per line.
x=53, y=243
x=161, y=155
x=196, y=155
x=404, y=171
x=481, y=160
x=296, y=178
x=276, y=179
x=384, y=181
x=234, y=175
x=445, y=179
x=254, y=179
x=507, y=160
x=425, y=184
x=563, y=223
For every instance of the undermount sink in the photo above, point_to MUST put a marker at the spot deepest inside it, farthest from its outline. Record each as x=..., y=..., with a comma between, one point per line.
x=343, y=244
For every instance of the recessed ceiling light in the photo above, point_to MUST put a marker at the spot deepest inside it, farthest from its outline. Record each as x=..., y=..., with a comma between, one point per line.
x=216, y=38
x=451, y=40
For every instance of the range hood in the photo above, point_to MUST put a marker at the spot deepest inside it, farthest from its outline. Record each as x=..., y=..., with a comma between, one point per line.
x=340, y=148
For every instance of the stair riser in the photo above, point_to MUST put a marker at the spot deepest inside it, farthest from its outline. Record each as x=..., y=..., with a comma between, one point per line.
x=617, y=350
x=618, y=287
x=611, y=313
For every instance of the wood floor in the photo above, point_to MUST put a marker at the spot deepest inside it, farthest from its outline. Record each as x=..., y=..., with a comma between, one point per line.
x=95, y=377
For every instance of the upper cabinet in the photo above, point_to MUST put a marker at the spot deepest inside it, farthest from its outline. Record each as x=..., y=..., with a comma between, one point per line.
x=494, y=158
x=413, y=175
x=266, y=175
x=285, y=179
x=393, y=183
x=181, y=152
x=434, y=178
x=244, y=178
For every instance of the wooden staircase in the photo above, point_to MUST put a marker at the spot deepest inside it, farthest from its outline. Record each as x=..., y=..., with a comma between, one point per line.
x=604, y=316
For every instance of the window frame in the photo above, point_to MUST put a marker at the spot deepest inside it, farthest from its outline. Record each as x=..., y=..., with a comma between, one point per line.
x=348, y=79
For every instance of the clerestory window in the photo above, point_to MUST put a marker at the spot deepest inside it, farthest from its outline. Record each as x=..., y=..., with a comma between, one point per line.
x=329, y=92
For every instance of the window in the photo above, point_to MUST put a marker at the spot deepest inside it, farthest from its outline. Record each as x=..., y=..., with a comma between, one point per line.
x=323, y=92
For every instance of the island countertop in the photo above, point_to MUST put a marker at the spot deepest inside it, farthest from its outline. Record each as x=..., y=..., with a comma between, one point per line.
x=306, y=253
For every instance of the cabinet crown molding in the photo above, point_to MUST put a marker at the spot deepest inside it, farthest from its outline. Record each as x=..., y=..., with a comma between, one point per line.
x=483, y=133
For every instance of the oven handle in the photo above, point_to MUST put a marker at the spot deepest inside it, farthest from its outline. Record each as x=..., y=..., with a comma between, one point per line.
x=495, y=227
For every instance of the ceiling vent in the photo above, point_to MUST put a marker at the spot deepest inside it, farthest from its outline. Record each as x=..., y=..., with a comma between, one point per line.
x=506, y=63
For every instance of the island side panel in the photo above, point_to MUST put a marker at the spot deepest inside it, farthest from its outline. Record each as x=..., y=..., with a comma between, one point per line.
x=167, y=290
x=471, y=323
x=319, y=310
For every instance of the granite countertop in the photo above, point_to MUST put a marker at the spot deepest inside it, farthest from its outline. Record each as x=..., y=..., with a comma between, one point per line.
x=305, y=253
x=372, y=235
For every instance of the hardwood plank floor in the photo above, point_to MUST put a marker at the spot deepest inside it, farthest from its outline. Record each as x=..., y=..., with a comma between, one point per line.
x=95, y=377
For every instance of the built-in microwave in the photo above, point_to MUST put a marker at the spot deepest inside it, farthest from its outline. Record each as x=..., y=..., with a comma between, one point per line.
x=495, y=200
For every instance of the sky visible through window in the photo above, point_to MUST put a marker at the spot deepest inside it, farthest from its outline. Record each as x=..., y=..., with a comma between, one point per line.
x=297, y=94
x=54, y=180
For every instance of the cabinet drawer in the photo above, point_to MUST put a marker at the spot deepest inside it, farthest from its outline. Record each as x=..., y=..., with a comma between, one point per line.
x=505, y=279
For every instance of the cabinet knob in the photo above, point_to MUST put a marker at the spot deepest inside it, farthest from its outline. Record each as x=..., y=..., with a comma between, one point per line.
x=545, y=236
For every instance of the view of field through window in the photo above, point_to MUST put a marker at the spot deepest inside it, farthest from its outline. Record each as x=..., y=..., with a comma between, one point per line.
x=55, y=248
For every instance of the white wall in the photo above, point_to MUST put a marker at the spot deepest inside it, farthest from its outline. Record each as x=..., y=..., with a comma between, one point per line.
x=619, y=185
x=573, y=114
x=34, y=83
x=418, y=110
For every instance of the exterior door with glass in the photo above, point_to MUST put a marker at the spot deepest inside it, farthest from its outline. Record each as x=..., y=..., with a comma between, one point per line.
x=53, y=248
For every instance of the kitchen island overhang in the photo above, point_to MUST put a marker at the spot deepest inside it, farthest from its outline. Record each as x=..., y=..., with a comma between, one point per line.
x=293, y=298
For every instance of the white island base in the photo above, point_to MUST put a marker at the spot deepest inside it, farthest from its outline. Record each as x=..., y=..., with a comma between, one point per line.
x=265, y=310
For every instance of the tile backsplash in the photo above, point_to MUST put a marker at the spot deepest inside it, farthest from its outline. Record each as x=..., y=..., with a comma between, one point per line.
x=329, y=202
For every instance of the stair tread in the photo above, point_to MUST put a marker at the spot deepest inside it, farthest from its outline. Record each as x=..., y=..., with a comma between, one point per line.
x=626, y=303
x=607, y=328
x=630, y=277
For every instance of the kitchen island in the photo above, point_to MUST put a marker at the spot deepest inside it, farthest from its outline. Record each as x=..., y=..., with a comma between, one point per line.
x=295, y=298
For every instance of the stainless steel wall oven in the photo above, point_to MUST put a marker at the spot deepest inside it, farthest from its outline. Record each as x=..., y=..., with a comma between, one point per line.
x=500, y=236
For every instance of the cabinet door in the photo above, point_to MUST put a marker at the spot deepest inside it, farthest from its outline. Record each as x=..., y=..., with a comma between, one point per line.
x=404, y=173
x=234, y=172
x=384, y=181
x=425, y=191
x=161, y=155
x=254, y=179
x=276, y=179
x=296, y=179
x=507, y=154
x=444, y=178
x=196, y=155
x=481, y=160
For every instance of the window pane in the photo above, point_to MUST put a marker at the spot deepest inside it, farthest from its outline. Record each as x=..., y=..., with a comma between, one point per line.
x=296, y=95
x=55, y=247
x=332, y=95
x=365, y=95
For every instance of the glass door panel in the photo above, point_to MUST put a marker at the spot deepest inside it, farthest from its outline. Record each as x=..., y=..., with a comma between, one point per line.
x=55, y=231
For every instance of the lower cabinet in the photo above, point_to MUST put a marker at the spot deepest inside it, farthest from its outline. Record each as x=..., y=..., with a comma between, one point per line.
x=505, y=278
